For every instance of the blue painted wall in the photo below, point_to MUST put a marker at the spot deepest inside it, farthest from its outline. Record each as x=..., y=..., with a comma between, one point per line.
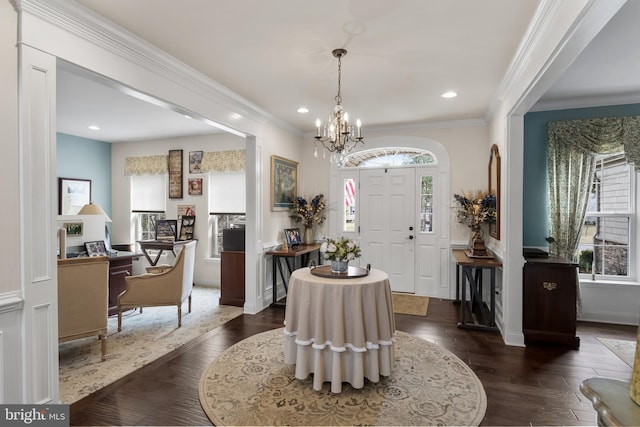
x=86, y=159
x=535, y=187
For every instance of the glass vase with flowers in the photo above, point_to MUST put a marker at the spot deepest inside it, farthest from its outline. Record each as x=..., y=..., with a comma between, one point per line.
x=340, y=252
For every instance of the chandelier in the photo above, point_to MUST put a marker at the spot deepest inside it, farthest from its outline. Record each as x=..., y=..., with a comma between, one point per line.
x=338, y=136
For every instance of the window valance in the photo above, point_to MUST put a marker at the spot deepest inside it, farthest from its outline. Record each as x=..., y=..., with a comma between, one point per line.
x=600, y=136
x=223, y=161
x=146, y=165
x=214, y=161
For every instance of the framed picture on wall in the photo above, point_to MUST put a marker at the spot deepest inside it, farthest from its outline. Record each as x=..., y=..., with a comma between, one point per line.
x=175, y=174
x=195, y=186
x=284, y=183
x=195, y=161
x=73, y=194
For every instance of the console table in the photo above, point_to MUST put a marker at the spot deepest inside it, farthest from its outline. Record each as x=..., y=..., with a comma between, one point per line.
x=341, y=330
x=160, y=246
x=472, y=269
x=289, y=256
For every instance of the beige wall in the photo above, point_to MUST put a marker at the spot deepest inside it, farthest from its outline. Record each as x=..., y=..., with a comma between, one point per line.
x=9, y=172
x=468, y=145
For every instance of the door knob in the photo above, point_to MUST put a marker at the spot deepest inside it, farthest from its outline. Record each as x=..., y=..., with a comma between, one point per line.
x=410, y=237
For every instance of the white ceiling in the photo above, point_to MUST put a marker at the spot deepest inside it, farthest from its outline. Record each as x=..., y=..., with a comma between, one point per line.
x=402, y=54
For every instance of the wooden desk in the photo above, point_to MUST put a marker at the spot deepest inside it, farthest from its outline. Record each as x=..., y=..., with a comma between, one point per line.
x=341, y=330
x=302, y=252
x=120, y=266
x=471, y=270
x=610, y=399
x=160, y=246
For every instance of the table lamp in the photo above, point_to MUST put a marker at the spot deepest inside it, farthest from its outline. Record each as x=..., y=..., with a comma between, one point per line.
x=93, y=209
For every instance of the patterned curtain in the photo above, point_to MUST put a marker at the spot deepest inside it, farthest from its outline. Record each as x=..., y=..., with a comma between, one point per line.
x=215, y=161
x=223, y=161
x=571, y=163
x=147, y=165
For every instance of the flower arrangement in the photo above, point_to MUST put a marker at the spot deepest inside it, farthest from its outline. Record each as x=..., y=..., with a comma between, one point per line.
x=342, y=249
x=308, y=213
x=476, y=209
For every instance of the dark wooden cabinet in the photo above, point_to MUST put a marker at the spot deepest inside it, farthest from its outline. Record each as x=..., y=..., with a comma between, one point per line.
x=119, y=268
x=549, y=301
x=232, y=278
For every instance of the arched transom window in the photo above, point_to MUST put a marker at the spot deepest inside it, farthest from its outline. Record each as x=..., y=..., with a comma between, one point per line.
x=389, y=156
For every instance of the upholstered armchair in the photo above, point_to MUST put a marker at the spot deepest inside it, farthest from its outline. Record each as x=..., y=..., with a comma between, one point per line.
x=83, y=286
x=169, y=287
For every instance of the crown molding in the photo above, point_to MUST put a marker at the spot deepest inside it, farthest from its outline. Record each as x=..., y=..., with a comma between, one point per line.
x=88, y=25
x=587, y=102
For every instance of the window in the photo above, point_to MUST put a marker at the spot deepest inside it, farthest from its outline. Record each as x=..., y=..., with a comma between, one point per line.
x=220, y=221
x=426, y=204
x=349, y=205
x=148, y=198
x=604, y=250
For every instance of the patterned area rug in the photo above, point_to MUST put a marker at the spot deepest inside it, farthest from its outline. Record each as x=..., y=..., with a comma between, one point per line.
x=249, y=384
x=625, y=350
x=410, y=304
x=145, y=337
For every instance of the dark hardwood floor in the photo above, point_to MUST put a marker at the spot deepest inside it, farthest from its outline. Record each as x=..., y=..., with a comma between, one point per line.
x=524, y=386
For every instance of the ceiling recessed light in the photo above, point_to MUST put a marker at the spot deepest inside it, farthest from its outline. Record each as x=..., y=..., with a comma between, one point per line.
x=303, y=110
x=236, y=116
x=94, y=127
x=186, y=116
x=449, y=94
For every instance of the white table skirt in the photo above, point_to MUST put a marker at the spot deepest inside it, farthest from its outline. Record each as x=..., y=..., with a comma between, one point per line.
x=339, y=330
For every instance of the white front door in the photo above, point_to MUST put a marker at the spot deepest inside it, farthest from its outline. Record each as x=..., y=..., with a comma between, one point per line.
x=388, y=224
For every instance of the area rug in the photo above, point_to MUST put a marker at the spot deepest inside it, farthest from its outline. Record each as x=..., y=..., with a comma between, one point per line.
x=249, y=384
x=144, y=338
x=410, y=304
x=625, y=350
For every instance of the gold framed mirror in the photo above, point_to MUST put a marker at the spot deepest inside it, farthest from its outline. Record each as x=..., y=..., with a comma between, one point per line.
x=494, y=189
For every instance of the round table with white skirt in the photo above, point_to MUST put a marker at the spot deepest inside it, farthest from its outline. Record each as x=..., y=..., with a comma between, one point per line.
x=339, y=330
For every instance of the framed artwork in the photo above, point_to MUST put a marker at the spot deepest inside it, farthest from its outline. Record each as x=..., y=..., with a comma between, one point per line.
x=187, y=225
x=292, y=235
x=494, y=190
x=175, y=174
x=166, y=229
x=73, y=228
x=195, y=161
x=73, y=194
x=96, y=248
x=195, y=186
x=284, y=183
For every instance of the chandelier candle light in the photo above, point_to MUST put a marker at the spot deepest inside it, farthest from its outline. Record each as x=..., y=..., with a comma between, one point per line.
x=338, y=136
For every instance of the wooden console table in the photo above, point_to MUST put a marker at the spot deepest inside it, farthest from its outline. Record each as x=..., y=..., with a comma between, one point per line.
x=482, y=317
x=160, y=246
x=302, y=252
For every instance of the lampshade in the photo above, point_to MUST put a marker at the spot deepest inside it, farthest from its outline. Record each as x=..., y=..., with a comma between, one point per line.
x=93, y=209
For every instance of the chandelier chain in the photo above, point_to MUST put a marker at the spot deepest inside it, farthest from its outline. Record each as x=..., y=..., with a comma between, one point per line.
x=338, y=97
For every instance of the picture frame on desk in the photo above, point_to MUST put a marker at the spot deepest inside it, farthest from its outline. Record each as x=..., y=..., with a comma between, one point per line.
x=292, y=236
x=166, y=229
x=96, y=248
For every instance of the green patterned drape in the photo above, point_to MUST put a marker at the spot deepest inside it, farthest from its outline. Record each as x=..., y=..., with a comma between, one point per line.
x=571, y=163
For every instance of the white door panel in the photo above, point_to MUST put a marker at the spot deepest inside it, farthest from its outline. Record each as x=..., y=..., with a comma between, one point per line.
x=387, y=205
